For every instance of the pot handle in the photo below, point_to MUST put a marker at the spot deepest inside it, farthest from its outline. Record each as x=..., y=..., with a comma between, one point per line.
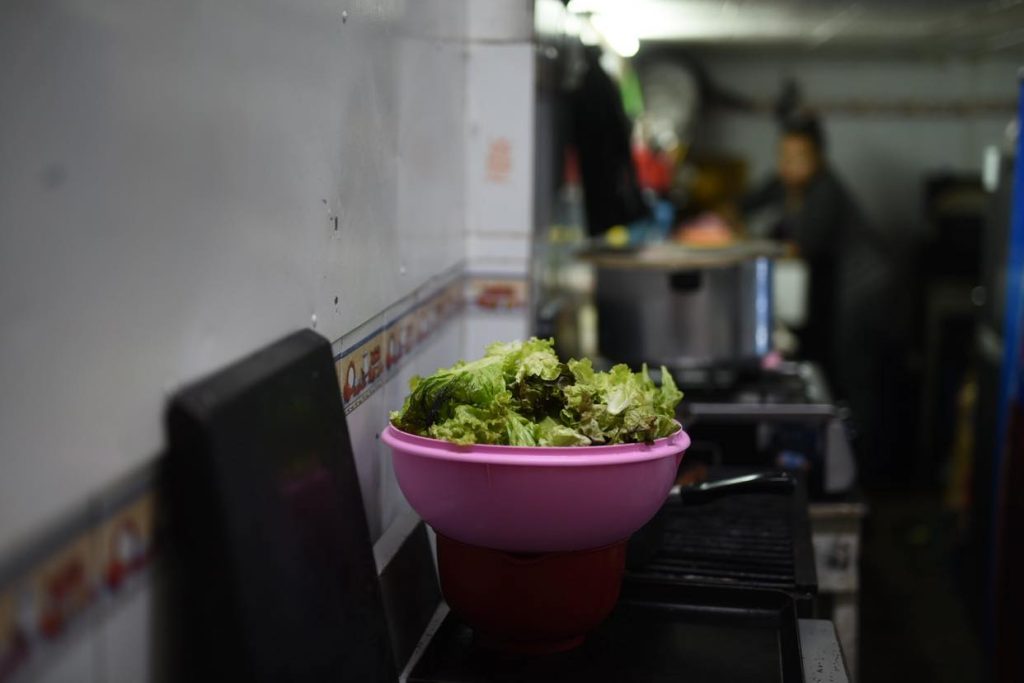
x=763, y=482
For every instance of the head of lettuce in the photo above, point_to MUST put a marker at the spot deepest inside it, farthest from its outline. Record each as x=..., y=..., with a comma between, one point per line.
x=521, y=394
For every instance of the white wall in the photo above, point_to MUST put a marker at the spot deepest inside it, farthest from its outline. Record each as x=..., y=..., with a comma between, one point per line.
x=183, y=183
x=882, y=157
x=500, y=105
x=170, y=177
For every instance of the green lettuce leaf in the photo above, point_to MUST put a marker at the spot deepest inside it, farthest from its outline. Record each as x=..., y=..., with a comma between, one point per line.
x=521, y=394
x=550, y=432
x=434, y=399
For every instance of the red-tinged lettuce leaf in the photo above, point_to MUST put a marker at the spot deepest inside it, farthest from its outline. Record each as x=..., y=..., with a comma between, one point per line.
x=520, y=394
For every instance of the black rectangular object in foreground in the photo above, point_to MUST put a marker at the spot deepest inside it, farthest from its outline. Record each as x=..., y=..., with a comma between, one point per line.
x=268, y=533
x=657, y=634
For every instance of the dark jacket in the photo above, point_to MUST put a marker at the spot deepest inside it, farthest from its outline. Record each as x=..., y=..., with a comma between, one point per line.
x=601, y=131
x=840, y=249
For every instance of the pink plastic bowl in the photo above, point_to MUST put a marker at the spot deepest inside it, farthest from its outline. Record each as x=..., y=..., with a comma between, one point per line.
x=535, y=499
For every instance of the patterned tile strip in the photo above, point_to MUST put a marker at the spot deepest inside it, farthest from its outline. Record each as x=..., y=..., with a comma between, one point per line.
x=372, y=352
x=50, y=587
x=58, y=583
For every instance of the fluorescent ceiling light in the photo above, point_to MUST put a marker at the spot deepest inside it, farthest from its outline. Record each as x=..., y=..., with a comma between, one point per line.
x=582, y=6
x=617, y=34
x=587, y=34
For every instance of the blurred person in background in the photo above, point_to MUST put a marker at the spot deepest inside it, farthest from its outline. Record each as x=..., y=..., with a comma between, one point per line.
x=807, y=206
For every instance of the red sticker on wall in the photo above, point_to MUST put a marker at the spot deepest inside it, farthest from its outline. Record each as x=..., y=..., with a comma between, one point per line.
x=499, y=160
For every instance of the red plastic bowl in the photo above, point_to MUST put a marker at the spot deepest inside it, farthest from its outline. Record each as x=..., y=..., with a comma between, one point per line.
x=535, y=499
x=530, y=604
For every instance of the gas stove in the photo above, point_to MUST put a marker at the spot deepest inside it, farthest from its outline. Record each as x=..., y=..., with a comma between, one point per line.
x=750, y=540
x=294, y=596
x=713, y=591
x=661, y=632
x=781, y=417
x=681, y=633
x=787, y=382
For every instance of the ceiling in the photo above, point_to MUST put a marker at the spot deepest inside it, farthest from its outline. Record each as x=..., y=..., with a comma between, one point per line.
x=981, y=27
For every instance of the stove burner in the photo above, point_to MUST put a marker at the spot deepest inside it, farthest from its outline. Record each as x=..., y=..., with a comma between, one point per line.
x=746, y=541
x=759, y=540
x=763, y=386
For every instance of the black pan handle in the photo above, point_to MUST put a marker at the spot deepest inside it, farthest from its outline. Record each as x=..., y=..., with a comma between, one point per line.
x=762, y=482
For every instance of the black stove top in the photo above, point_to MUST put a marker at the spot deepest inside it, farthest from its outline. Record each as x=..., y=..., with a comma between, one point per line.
x=754, y=540
x=746, y=543
x=657, y=634
x=782, y=417
x=790, y=383
x=715, y=598
x=303, y=489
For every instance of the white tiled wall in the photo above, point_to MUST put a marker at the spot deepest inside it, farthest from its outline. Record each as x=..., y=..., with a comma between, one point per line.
x=485, y=327
x=499, y=177
x=75, y=662
x=185, y=183
x=446, y=347
x=125, y=636
x=499, y=153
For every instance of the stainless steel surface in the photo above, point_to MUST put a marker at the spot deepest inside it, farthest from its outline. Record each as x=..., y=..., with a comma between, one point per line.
x=759, y=482
x=817, y=387
x=673, y=256
x=685, y=318
x=758, y=412
x=840, y=471
x=823, y=658
x=814, y=409
x=836, y=535
x=840, y=466
x=819, y=649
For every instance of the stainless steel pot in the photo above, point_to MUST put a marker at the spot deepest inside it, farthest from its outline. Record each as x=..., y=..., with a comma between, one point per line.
x=686, y=308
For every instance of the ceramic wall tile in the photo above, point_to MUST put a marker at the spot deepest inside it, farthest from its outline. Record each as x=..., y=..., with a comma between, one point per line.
x=249, y=170
x=74, y=661
x=47, y=615
x=126, y=635
x=296, y=166
x=499, y=149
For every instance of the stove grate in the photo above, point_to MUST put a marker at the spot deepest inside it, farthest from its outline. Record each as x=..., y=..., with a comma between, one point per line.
x=738, y=540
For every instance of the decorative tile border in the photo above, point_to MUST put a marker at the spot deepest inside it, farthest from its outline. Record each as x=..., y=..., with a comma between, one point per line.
x=497, y=292
x=381, y=345
x=55, y=585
